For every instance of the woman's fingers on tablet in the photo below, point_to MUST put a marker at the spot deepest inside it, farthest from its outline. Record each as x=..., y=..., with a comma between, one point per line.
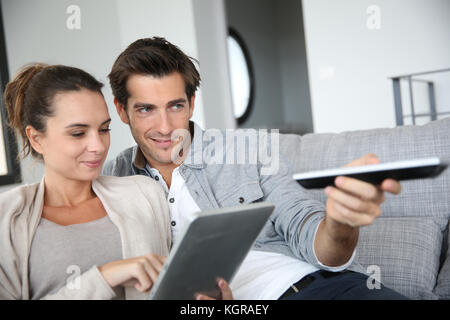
x=156, y=261
x=139, y=272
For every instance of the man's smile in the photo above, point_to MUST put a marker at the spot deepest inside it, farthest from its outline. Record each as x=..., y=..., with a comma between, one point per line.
x=162, y=143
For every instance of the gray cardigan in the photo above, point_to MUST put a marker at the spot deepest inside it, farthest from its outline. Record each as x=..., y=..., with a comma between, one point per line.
x=136, y=205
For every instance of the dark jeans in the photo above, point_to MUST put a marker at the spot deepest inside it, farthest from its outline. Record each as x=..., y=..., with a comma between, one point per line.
x=346, y=285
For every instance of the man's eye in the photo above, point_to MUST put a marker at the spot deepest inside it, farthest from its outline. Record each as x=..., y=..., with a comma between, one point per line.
x=177, y=106
x=144, y=109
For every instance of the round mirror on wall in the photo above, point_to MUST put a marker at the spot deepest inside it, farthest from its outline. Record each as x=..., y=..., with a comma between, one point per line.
x=241, y=75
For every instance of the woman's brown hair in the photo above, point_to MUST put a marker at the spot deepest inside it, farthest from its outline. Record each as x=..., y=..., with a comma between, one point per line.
x=29, y=96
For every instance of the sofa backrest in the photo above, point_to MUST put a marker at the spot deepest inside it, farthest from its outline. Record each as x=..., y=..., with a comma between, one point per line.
x=408, y=245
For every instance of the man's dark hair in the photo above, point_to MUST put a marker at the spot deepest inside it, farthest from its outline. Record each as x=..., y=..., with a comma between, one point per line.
x=155, y=57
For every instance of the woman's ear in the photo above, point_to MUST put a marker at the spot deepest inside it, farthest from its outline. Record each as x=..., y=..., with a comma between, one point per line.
x=34, y=137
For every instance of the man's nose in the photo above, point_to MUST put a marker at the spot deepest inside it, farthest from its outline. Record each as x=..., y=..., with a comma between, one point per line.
x=164, y=125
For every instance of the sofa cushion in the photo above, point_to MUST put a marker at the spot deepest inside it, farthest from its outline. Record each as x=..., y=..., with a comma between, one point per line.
x=424, y=197
x=442, y=289
x=406, y=251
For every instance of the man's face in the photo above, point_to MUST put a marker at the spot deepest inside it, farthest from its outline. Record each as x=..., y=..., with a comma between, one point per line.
x=156, y=107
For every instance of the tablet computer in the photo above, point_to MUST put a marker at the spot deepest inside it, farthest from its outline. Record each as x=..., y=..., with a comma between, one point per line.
x=213, y=245
x=375, y=173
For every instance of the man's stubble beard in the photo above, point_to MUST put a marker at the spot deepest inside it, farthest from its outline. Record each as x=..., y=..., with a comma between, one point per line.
x=148, y=152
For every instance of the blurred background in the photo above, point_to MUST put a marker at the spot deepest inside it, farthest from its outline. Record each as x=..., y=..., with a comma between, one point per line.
x=306, y=66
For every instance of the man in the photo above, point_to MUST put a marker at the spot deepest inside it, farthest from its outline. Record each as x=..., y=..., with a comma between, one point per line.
x=306, y=250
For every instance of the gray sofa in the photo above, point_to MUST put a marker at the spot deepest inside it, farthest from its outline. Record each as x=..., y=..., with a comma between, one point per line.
x=407, y=248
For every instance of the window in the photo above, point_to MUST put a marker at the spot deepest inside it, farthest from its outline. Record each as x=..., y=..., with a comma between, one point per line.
x=9, y=167
x=241, y=73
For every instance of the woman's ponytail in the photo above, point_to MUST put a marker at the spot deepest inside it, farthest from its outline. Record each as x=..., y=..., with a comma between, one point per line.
x=14, y=96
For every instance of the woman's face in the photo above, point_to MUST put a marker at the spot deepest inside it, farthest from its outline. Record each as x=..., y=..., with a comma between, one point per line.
x=76, y=140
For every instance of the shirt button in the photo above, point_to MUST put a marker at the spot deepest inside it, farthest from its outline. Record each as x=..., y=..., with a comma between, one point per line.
x=173, y=223
x=171, y=200
x=156, y=178
x=241, y=200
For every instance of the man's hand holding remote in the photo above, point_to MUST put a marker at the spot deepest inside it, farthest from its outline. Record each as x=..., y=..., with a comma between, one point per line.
x=351, y=204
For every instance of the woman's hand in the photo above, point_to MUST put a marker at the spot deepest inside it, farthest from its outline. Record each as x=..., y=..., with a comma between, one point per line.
x=225, y=291
x=140, y=272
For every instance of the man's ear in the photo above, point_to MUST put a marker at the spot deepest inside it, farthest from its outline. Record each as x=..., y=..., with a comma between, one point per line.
x=191, y=106
x=35, y=138
x=121, y=111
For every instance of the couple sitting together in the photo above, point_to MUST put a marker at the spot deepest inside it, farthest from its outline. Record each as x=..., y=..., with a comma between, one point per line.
x=114, y=224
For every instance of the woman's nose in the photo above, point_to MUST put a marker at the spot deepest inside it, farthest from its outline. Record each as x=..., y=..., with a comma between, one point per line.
x=96, y=143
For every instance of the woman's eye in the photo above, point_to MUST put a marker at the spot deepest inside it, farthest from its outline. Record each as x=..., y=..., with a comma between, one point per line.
x=106, y=130
x=77, y=134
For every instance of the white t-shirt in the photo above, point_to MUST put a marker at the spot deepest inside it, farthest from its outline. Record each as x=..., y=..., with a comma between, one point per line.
x=262, y=275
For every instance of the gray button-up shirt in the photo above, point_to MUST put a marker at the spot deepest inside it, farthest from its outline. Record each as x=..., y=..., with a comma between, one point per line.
x=212, y=183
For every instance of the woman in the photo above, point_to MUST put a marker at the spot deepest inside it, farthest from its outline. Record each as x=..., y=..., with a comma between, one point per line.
x=76, y=235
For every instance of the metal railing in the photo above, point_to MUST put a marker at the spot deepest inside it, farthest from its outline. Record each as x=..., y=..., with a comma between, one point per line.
x=410, y=78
